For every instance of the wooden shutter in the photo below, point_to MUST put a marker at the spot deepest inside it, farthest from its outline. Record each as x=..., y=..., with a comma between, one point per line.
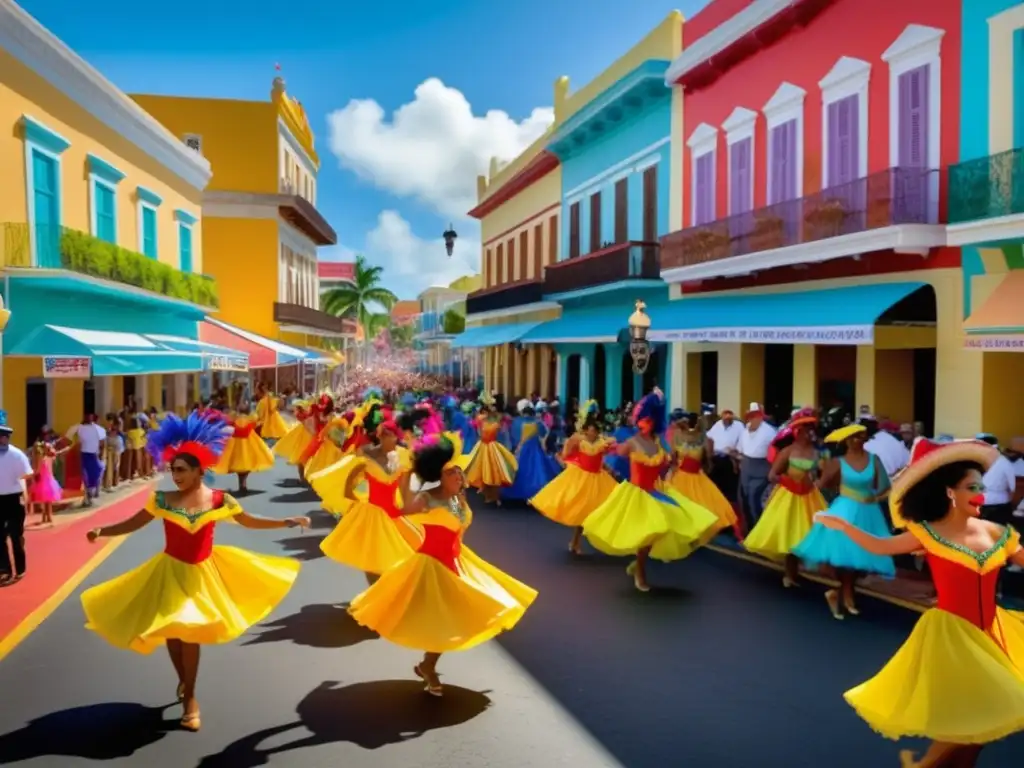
x=553, y=238
x=538, y=252
x=621, y=210
x=488, y=269
x=650, y=187
x=740, y=188
x=913, y=118
x=704, y=189
x=510, y=259
x=595, y=222
x=574, y=230
x=524, y=254
x=499, y=265
x=843, y=144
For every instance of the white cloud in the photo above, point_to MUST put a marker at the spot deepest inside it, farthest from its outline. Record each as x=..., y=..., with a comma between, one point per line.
x=433, y=148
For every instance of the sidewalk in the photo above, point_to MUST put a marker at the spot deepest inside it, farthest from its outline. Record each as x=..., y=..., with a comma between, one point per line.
x=56, y=555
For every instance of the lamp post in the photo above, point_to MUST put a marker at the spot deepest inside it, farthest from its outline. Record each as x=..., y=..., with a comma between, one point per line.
x=639, y=346
x=450, y=235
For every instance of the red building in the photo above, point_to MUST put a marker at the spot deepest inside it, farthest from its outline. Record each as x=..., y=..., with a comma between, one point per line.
x=815, y=134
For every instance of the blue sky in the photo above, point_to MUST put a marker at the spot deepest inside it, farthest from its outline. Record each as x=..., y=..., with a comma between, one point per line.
x=393, y=190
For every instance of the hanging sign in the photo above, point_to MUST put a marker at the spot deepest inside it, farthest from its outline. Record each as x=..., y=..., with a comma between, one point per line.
x=840, y=335
x=995, y=343
x=225, y=363
x=67, y=367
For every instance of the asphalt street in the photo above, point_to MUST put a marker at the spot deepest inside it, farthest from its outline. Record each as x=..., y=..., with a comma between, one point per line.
x=717, y=666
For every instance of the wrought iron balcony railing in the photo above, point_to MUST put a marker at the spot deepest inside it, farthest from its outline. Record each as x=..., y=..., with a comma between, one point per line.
x=987, y=187
x=632, y=260
x=46, y=246
x=505, y=296
x=894, y=196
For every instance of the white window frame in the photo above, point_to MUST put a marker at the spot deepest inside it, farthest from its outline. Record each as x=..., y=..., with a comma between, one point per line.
x=738, y=127
x=143, y=204
x=915, y=47
x=94, y=179
x=703, y=141
x=785, y=105
x=848, y=77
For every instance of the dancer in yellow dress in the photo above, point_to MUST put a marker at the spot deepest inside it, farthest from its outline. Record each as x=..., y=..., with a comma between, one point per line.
x=444, y=597
x=789, y=514
x=643, y=516
x=585, y=483
x=245, y=451
x=959, y=678
x=690, y=446
x=272, y=425
x=292, y=447
x=193, y=593
x=491, y=466
x=372, y=534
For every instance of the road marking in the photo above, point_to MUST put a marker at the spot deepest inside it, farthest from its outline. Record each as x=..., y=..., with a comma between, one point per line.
x=31, y=622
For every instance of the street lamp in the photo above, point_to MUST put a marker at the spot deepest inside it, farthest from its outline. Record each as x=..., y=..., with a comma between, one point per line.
x=450, y=236
x=639, y=346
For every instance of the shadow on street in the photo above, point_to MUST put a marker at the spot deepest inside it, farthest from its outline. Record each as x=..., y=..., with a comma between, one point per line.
x=314, y=626
x=302, y=547
x=305, y=496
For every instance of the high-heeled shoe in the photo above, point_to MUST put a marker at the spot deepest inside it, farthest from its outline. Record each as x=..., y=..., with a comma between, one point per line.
x=851, y=608
x=191, y=722
x=434, y=689
x=832, y=598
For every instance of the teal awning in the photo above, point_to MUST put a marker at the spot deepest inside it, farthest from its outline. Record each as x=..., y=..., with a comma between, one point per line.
x=318, y=357
x=840, y=316
x=492, y=335
x=591, y=325
x=214, y=356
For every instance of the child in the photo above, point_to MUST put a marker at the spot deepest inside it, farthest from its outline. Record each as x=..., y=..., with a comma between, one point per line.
x=45, y=490
x=113, y=452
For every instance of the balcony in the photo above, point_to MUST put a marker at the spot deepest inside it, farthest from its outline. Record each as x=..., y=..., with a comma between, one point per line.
x=896, y=209
x=299, y=319
x=505, y=296
x=983, y=190
x=55, y=247
x=304, y=216
x=632, y=260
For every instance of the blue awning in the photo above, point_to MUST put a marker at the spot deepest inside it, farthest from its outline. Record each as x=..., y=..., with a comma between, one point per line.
x=591, y=325
x=492, y=335
x=318, y=357
x=214, y=356
x=840, y=316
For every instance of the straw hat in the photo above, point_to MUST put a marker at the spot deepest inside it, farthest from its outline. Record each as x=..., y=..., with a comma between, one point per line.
x=843, y=433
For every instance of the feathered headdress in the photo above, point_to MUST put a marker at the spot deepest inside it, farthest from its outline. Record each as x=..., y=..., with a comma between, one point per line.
x=469, y=407
x=587, y=411
x=200, y=436
x=651, y=407
x=487, y=399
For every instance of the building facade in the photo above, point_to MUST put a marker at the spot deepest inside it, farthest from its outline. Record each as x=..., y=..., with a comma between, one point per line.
x=101, y=246
x=332, y=274
x=811, y=266
x=442, y=308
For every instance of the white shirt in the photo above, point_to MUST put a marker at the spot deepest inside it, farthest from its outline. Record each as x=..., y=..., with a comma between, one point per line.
x=90, y=437
x=1000, y=482
x=14, y=465
x=755, y=444
x=890, y=451
x=725, y=437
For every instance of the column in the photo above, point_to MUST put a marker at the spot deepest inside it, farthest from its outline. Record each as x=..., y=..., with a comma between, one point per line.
x=691, y=371
x=563, y=378
x=586, y=375
x=155, y=391
x=805, y=375
x=664, y=368
x=635, y=196
x=141, y=393
x=545, y=353
x=612, y=376
x=506, y=377
x=865, y=382
x=740, y=376
x=104, y=395
x=179, y=402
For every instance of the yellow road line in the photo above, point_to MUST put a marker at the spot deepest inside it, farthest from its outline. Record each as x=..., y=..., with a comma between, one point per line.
x=31, y=622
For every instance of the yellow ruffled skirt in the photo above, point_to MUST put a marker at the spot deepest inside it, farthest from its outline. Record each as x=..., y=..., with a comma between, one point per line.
x=164, y=599
x=491, y=464
x=631, y=519
x=367, y=539
x=786, y=520
x=293, y=444
x=950, y=682
x=274, y=427
x=326, y=455
x=573, y=495
x=244, y=454
x=697, y=487
x=423, y=605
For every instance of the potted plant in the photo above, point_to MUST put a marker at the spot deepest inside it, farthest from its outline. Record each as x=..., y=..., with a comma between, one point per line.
x=706, y=245
x=826, y=219
x=769, y=232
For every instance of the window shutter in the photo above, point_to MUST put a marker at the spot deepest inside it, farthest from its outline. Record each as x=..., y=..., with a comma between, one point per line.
x=487, y=268
x=834, y=162
x=913, y=118
x=524, y=253
x=650, y=229
x=739, y=182
x=790, y=168
x=553, y=235
x=595, y=222
x=538, y=252
x=574, y=230
x=499, y=265
x=510, y=261
x=705, y=193
x=622, y=210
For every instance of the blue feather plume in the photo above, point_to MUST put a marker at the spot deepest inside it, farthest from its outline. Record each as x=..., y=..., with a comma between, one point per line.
x=207, y=430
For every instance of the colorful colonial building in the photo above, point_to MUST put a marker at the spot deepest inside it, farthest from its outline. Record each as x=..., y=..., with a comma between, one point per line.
x=811, y=266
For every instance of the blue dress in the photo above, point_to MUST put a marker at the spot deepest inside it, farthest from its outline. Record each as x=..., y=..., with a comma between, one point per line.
x=462, y=424
x=536, y=468
x=823, y=546
x=619, y=465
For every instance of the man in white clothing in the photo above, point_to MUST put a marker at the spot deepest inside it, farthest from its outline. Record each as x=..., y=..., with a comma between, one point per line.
x=752, y=450
x=90, y=437
x=1000, y=485
x=890, y=450
x=15, y=476
x=724, y=436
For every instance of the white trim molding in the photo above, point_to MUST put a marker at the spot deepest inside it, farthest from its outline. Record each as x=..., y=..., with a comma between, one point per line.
x=739, y=125
x=721, y=37
x=635, y=162
x=848, y=77
x=704, y=139
x=786, y=104
x=990, y=230
x=902, y=238
x=40, y=50
x=494, y=314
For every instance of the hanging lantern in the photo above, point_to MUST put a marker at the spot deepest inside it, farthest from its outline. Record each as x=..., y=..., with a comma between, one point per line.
x=450, y=235
x=639, y=346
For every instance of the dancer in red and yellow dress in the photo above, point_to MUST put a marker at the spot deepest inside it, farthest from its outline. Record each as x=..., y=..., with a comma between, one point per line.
x=193, y=593
x=372, y=535
x=245, y=451
x=789, y=514
x=643, y=516
x=959, y=678
x=491, y=466
x=327, y=446
x=690, y=447
x=444, y=597
x=292, y=447
x=584, y=484
x=272, y=425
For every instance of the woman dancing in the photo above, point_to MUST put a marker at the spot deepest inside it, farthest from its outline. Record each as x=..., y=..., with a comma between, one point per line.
x=292, y=447
x=245, y=452
x=862, y=483
x=444, y=597
x=268, y=415
x=491, y=466
x=690, y=446
x=585, y=484
x=534, y=467
x=643, y=516
x=193, y=593
x=959, y=678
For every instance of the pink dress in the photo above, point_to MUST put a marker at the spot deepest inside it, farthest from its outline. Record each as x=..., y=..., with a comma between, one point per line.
x=45, y=488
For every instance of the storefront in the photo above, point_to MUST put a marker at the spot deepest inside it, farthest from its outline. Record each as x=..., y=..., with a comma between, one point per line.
x=274, y=363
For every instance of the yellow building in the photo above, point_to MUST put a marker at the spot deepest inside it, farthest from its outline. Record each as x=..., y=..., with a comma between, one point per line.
x=100, y=241
x=261, y=224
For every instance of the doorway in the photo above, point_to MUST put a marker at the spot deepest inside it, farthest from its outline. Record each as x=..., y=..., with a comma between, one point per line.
x=128, y=391
x=924, y=388
x=778, y=381
x=837, y=377
x=37, y=408
x=572, y=386
x=88, y=396
x=628, y=395
x=600, y=377
x=650, y=377
x=709, y=381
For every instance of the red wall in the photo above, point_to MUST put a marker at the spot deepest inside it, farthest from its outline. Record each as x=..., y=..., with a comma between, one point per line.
x=861, y=29
x=709, y=17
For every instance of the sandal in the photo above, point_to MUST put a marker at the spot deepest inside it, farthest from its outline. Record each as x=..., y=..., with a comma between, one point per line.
x=191, y=722
x=832, y=598
x=434, y=689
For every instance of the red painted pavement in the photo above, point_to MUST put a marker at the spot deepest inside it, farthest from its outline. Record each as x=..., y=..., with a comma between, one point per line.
x=55, y=555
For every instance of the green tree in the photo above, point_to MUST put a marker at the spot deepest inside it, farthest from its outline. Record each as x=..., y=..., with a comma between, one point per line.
x=402, y=336
x=359, y=298
x=453, y=322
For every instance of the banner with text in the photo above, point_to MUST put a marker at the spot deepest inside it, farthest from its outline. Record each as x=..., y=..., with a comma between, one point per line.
x=823, y=334
x=67, y=367
x=995, y=343
x=225, y=363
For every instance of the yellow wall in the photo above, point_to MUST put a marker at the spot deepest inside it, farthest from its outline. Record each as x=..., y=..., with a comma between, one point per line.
x=241, y=254
x=531, y=201
x=17, y=370
x=1001, y=411
x=24, y=92
x=240, y=138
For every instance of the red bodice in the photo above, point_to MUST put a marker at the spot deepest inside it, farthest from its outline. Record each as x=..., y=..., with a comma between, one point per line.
x=356, y=440
x=243, y=431
x=442, y=544
x=644, y=475
x=691, y=466
x=964, y=592
x=588, y=462
x=191, y=548
x=382, y=495
x=800, y=488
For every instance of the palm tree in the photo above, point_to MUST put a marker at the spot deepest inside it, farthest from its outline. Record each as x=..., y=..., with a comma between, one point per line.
x=358, y=298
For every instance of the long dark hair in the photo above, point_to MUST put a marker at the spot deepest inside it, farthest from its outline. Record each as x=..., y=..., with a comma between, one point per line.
x=928, y=501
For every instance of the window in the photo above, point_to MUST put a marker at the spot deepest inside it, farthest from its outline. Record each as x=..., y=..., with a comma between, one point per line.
x=650, y=192
x=703, y=143
x=844, y=95
x=488, y=269
x=184, y=247
x=784, y=114
x=499, y=265
x=538, y=251
x=741, y=176
x=524, y=251
x=622, y=210
x=843, y=119
x=510, y=261
x=105, y=211
x=552, y=240
x=149, y=247
x=574, y=230
x=595, y=222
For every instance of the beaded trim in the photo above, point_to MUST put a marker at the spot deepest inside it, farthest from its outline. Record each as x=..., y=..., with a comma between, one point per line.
x=161, y=501
x=980, y=557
